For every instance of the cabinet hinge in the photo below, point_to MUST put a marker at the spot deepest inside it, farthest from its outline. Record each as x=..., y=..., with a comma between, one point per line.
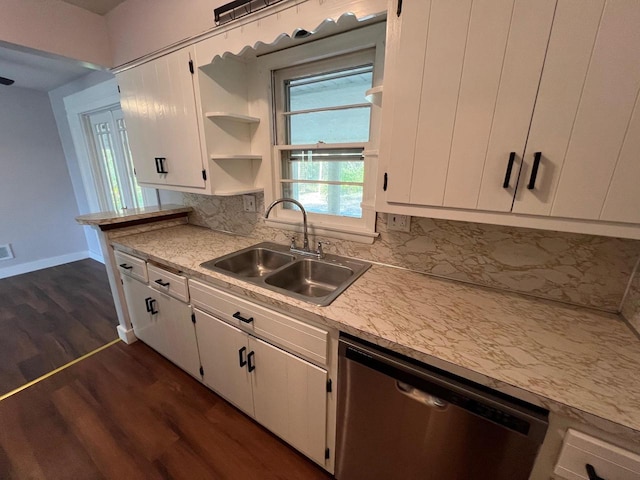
x=191, y=66
x=193, y=317
x=204, y=174
x=329, y=386
x=385, y=182
x=201, y=371
x=399, y=10
x=327, y=454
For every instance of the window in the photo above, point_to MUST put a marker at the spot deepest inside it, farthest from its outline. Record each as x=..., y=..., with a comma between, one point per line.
x=323, y=127
x=113, y=169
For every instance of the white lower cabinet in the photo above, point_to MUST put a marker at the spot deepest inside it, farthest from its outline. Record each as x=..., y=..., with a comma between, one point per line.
x=290, y=397
x=164, y=323
x=282, y=391
x=223, y=352
x=286, y=394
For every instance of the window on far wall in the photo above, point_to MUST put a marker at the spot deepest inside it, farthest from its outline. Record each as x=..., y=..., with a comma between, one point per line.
x=116, y=183
x=322, y=128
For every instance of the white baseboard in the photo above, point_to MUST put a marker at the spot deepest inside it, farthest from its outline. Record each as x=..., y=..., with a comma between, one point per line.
x=43, y=263
x=127, y=336
x=96, y=256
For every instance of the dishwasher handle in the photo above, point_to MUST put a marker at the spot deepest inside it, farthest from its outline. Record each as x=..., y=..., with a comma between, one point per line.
x=420, y=396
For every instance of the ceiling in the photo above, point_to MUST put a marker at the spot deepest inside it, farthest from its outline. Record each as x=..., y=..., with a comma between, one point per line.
x=37, y=70
x=96, y=6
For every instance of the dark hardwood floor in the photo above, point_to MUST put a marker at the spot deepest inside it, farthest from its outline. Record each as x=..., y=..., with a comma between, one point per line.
x=127, y=413
x=50, y=317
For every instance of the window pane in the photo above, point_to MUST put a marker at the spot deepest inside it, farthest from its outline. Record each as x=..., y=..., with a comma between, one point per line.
x=345, y=165
x=330, y=89
x=333, y=126
x=327, y=199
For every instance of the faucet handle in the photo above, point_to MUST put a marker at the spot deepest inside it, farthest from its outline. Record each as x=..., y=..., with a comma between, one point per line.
x=293, y=241
x=320, y=251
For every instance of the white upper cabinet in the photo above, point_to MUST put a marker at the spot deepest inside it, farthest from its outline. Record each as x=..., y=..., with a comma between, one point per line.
x=600, y=136
x=477, y=65
x=159, y=106
x=513, y=106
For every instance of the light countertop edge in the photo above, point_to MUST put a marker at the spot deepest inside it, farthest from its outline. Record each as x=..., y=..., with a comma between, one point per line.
x=131, y=215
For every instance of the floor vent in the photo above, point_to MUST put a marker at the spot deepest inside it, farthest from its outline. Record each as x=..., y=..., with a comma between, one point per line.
x=5, y=252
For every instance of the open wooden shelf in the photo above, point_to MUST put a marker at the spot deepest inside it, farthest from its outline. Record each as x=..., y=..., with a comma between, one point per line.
x=374, y=95
x=235, y=157
x=240, y=191
x=232, y=116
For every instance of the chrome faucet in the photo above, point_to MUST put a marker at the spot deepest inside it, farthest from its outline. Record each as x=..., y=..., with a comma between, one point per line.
x=305, y=247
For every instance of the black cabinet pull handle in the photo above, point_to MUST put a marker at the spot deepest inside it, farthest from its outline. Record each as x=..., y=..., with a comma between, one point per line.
x=152, y=309
x=241, y=318
x=160, y=165
x=534, y=170
x=241, y=359
x=507, y=176
x=146, y=302
x=126, y=267
x=592, y=472
x=251, y=367
x=161, y=283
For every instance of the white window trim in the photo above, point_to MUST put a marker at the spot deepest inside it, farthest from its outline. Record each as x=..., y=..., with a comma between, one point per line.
x=362, y=230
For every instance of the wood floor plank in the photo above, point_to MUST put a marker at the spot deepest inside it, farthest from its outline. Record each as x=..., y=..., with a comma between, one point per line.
x=126, y=412
x=110, y=457
x=51, y=317
x=44, y=427
x=136, y=420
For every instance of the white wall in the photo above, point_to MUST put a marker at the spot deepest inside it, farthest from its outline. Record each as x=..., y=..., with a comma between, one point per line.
x=56, y=27
x=37, y=204
x=139, y=27
x=73, y=163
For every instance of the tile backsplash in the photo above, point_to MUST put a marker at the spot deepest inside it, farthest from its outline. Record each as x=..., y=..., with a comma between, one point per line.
x=582, y=269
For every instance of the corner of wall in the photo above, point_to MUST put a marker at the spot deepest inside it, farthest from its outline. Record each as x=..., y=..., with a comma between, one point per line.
x=630, y=308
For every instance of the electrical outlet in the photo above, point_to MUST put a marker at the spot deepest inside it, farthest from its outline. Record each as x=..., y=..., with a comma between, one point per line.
x=249, y=202
x=401, y=223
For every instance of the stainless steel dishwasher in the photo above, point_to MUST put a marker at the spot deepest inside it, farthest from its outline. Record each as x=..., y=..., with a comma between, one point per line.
x=399, y=419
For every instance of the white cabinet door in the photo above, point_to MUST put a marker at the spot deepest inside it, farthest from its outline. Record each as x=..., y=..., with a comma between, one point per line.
x=570, y=46
x=603, y=127
x=176, y=331
x=467, y=76
x=135, y=293
x=159, y=107
x=290, y=398
x=224, y=354
x=163, y=323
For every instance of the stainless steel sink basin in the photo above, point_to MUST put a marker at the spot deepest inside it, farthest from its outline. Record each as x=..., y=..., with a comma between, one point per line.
x=274, y=267
x=253, y=262
x=310, y=278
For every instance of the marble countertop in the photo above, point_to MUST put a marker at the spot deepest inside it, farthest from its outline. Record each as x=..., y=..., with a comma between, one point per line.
x=131, y=215
x=576, y=362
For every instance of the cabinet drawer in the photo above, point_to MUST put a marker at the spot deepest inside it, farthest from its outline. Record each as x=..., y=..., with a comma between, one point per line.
x=168, y=282
x=131, y=266
x=287, y=332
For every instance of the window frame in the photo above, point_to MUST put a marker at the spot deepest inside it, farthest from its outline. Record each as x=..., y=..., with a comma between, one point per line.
x=331, y=51
x=281, y=110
